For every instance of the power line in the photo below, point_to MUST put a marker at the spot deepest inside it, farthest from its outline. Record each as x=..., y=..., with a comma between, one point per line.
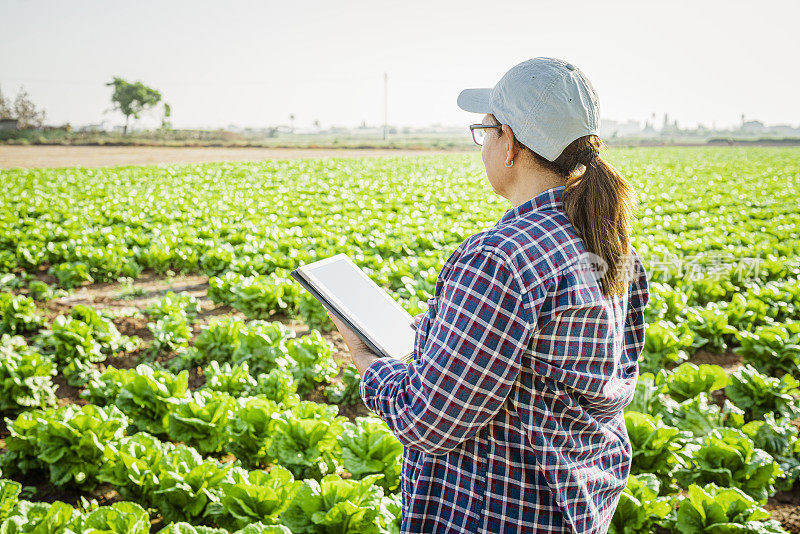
x=385, y=104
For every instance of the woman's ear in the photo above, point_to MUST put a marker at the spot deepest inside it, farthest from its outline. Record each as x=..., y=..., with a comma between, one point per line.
x=512, y=146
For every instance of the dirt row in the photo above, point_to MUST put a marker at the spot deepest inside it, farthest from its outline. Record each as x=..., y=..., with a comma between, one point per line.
x=33, y=156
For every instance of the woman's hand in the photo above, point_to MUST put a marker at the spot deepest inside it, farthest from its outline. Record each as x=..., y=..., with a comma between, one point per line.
x=354, y=343
x=360, y=352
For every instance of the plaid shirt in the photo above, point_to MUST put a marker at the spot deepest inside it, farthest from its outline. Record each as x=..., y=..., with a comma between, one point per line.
x=511, y=414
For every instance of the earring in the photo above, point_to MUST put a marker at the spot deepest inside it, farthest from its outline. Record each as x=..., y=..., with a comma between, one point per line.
x=512, y=163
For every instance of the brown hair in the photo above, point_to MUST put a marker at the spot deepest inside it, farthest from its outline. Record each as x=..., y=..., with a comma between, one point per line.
x=599, y=203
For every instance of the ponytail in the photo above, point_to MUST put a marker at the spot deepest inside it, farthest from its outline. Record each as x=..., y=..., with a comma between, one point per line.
x=599, y=203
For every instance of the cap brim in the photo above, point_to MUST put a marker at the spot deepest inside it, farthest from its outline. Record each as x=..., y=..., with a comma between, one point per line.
x=475, y=100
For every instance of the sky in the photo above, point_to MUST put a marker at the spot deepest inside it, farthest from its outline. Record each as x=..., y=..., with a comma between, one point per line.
x=253, y=63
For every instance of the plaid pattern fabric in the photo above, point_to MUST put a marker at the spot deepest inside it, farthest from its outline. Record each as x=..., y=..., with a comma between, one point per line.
x=511, y=412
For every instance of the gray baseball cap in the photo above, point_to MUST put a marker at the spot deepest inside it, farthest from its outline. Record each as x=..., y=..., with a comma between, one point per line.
x=547, y=103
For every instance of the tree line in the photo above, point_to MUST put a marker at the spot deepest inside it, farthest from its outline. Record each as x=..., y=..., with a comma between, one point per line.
x=129, y=98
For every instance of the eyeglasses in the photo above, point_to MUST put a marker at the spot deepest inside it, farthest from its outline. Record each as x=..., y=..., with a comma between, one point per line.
x=479, y=131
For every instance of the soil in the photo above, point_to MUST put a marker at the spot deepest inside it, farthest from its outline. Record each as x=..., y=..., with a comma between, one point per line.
x=729, y=360
x=32, y=156
x=785, y=507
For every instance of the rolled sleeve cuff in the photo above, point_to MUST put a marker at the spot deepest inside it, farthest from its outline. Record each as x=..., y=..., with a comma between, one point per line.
x=375, y=377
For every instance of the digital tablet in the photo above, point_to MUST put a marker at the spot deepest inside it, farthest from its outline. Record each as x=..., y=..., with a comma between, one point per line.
x=352, y=296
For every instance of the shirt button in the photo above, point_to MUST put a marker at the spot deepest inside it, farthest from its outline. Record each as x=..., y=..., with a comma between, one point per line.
x=570, y=66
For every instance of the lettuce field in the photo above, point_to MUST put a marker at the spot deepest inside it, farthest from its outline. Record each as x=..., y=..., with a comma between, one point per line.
x=227, y=405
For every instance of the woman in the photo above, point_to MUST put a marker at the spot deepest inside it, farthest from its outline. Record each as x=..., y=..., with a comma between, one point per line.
x=511, y=414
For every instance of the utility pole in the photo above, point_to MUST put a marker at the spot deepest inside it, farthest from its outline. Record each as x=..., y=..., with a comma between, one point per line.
x=385, y=104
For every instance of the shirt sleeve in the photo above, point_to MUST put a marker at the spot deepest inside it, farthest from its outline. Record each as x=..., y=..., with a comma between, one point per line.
x=469, y=363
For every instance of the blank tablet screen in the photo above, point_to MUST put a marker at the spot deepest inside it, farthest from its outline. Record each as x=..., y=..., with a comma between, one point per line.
x=364, y=302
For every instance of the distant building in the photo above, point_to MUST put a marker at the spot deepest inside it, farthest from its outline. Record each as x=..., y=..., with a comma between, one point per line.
x=752, y=126
x=103, y=126
x=9, y=124
x=783, y=129
x=649, y=129
x=611, y=128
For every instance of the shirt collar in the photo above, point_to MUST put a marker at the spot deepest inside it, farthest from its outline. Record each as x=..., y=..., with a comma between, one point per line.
x=548, y=199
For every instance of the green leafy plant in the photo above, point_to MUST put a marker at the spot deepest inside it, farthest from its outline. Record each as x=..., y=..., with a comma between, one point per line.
x=182, y=527
x=262, y=497
x=129, y=464
x=13, y=280
x=782, y=296
x=336, y=505
x=727, y=457
x=71, y=274
x=312, y=312
x=789, y=460
x=174, y=303
x=184, y=493
x=257, y=296
x=657, y=448
x=250, y=428
x=747, y=314
x=104, y=388
x=69, y=441
x=79, y=373
x=234, y=380
x=759, y=394
x=9, y=497
x=640, y=509
x=278, y=385
x=219, y=340
x=666, y=302
x=709, y=323
x=253, y=528
x=71, y=339
x=262, y=345
x=34, y=517
x=348, y=391
x=200, y=420
x=773, y=349
x=304, y=439
x=42, y=291
x=688, y=380
x=698, y=415
x=313, y=361
x=19, y=314
x=128, y=290
x=649, y=394
x=778, y=438
x=718, y=510
x=171, y=332
x=25, y=376
x=665, y=343
x=103, y=330
x=118, y=518
x=369, y=447
x=150, y=396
